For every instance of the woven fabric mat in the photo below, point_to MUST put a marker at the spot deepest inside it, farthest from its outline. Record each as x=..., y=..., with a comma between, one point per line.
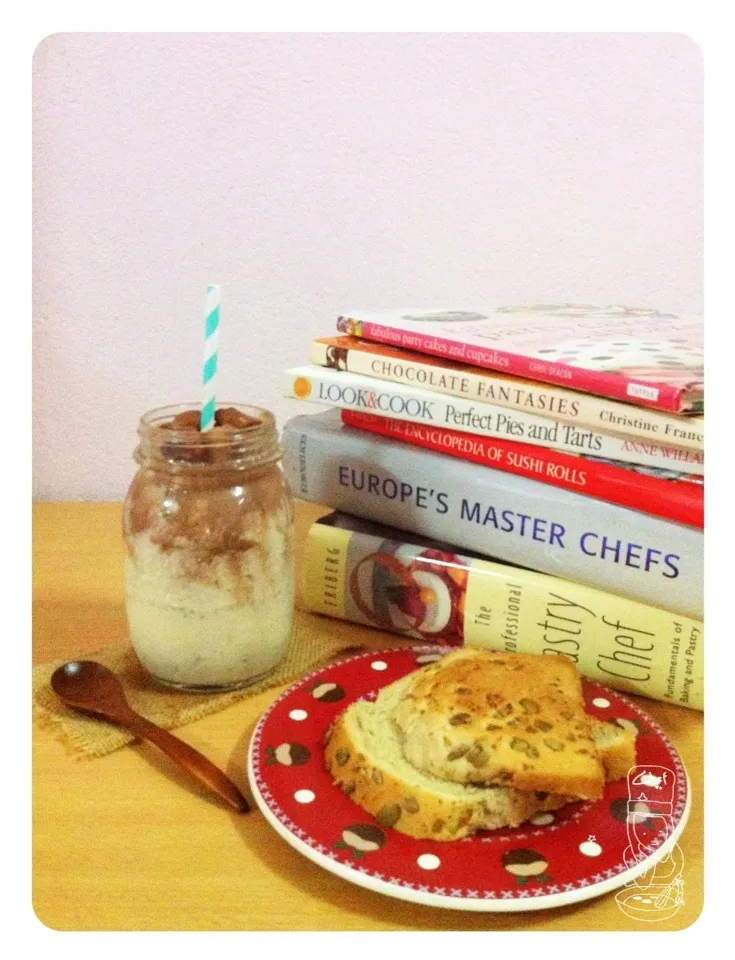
x=315, y=640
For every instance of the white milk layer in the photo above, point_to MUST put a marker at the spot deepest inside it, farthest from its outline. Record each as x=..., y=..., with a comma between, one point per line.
x=225, y=630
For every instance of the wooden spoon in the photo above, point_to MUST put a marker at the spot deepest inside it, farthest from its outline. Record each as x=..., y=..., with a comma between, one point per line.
x=91, y=688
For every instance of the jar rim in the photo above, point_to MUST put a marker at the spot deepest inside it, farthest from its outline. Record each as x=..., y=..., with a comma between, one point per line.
x=254, y=445
x=159, y=415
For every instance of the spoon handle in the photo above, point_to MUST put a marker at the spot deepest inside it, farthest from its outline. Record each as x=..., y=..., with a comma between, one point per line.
x=187, y=758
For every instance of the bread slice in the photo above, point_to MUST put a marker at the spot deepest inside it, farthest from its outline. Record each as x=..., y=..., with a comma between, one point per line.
x=615, y=747
x=515, y=720
x=363, y=753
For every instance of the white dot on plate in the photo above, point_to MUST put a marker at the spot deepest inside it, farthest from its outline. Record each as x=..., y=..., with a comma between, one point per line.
x=304, y=796
x=590, y=849
x=298, y=714
x=379, y=665
x=600, y=702
x=428, y=861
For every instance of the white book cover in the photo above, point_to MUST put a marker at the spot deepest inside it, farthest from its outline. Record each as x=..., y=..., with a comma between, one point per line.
x=490, y=386
x=496, y=514
x=354, y=391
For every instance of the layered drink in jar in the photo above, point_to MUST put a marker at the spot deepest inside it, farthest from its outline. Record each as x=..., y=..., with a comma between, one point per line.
x=208, y=526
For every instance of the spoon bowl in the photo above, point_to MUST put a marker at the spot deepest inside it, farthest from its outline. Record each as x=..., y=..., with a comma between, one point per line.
x=87, y=685
x=91, y=687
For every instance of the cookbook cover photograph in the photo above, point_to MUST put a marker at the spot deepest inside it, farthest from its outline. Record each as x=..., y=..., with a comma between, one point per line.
x=368, y=484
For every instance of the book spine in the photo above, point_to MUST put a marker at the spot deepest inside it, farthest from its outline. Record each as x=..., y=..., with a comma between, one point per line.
x=600, y=413
x=678, y=500
x=495, y=514
x=614, y=385
x=352, y=391
x=438, y=596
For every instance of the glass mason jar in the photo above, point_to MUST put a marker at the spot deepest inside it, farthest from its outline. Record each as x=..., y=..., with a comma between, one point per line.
x=208, y=526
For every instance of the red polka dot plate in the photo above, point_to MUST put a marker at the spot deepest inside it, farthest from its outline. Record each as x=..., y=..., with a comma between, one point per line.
x=581, y=851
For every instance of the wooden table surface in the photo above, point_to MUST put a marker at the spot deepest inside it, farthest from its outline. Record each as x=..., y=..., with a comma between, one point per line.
x=123, y=842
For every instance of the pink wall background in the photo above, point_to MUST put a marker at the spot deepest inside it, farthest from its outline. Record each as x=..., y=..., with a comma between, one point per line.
x=312, y=173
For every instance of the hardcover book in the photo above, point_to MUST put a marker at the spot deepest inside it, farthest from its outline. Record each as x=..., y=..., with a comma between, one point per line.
x=529, y=396
x=495, y=514
x=352, y=391
x=372, y=574
x=640, y=355
x=664, y=493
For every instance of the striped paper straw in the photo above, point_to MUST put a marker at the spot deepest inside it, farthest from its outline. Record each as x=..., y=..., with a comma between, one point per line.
x=211, y=351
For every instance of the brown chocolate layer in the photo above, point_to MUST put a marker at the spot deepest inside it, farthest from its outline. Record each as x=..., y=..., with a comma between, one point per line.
x=199, y=493
x=181, y=440
x=229, y=418
x=211, y=514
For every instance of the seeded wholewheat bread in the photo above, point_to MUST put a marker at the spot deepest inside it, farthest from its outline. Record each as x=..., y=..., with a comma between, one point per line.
x=515, y=720
x=363, y=753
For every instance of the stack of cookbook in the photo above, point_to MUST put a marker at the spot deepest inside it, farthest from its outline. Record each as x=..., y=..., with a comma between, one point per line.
x=525, y=479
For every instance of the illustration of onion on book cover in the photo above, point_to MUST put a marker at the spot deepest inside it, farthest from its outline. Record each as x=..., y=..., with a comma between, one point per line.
x=641, y=355
x=417, y=588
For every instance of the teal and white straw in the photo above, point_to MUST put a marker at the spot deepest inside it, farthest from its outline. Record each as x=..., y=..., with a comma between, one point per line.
x=211, y=351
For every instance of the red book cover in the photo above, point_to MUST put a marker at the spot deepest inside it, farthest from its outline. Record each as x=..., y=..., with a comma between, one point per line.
x=642, y=356
x=674, y=496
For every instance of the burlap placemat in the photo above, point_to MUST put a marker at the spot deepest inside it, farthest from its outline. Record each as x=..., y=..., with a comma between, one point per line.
x=315, y=640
